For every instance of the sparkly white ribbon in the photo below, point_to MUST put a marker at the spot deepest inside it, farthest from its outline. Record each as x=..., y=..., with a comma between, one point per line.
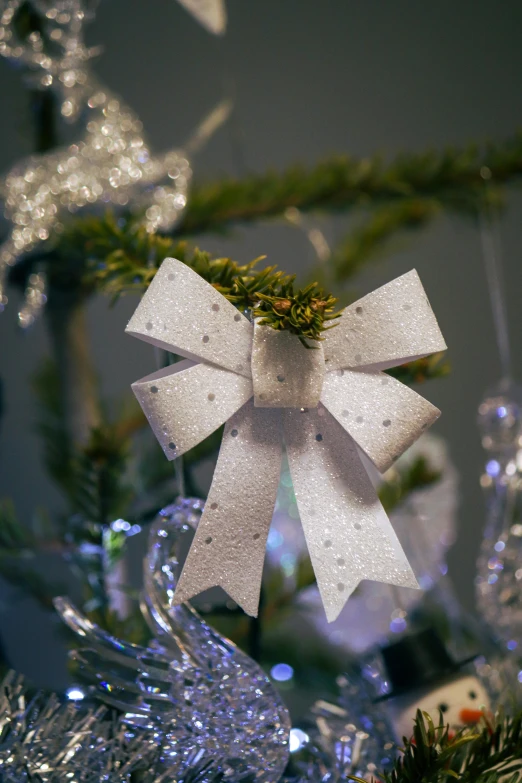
x=325, y=403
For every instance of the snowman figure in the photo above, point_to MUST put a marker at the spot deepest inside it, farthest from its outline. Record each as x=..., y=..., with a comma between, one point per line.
x=423, y=676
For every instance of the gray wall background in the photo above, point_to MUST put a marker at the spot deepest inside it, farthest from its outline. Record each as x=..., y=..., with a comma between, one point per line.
x=312, y=77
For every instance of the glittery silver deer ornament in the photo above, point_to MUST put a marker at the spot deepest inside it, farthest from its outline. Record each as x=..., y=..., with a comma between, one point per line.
x=193, y=686
x=111, y=163
x=53, y=54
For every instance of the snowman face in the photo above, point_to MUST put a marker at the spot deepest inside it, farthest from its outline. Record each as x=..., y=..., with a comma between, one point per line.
x=461, y=701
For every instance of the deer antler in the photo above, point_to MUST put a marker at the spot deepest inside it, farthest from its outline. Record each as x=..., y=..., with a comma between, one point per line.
x=49, y=43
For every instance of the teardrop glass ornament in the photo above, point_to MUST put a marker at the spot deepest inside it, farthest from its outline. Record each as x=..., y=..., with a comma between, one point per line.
x=499, y=566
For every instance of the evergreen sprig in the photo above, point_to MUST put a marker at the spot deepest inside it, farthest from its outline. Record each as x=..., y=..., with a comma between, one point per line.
x=306, y=312
x=102, y=252
x=420, y=370
x=461, y=180
x=121, y=257
x=489, y=753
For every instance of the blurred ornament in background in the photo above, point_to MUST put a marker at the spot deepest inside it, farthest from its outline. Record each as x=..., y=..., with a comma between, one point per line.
x=422, y=675
x=111, y=163
x=426, y=527
x=203, y=695
x=499, y=566
x=329, y=746
x=361, y=733
x=46, y=38
x=210, y=13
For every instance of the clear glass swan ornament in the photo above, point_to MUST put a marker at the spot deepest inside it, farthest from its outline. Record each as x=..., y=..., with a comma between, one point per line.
x=194, y=686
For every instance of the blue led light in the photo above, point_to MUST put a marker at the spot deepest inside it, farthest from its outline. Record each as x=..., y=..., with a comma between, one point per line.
x=281, y=672
x=398, y=625
x=288, y=563
x=275, y=539
x=493, y=467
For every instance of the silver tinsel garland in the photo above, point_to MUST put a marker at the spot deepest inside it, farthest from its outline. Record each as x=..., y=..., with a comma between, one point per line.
x=44, y=740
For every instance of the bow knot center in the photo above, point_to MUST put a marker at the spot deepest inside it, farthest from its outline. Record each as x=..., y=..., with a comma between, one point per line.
x=285, y=374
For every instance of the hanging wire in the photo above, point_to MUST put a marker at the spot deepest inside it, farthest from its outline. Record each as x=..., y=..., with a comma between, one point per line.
x=292, y=215
x=492, y=254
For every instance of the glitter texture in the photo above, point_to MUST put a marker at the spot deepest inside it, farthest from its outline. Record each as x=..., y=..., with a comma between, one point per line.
x=176, y=314
x=238, y=512
x=384, y=420
x=285, y=373
x=391, y=326
x=349, y=536
x=111, y=163
x=186, y=402
x=341, y=515
x=200, y=694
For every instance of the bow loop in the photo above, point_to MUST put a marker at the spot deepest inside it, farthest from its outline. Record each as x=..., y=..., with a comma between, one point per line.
x=390, y=326
x=187, y=402
x=184, y=314
x=382, y=415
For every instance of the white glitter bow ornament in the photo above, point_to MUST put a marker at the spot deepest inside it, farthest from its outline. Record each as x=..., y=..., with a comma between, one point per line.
x=325, y=403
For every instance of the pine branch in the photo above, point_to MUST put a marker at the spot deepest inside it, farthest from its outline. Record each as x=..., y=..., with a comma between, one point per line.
x=421, y=370
x=371, y=238
x=406, y=193
x=122, y=257
x=454, y=178
x=18, y=547
x=306, y=313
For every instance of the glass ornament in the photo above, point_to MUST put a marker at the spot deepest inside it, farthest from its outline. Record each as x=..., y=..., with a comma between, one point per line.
x=499, y=565
x=192, y=685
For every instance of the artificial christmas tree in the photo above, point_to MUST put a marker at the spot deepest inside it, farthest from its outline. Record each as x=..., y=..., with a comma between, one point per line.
x=114, y=478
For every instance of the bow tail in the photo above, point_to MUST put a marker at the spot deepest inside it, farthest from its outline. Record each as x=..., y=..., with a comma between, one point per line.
x=229, y=546
x=348, y=533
